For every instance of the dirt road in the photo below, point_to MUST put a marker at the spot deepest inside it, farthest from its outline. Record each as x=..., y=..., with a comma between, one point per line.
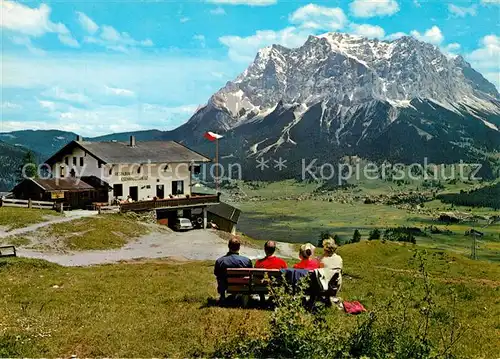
x=194, y=245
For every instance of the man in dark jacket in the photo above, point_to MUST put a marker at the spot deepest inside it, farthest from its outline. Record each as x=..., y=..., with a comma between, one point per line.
x=231, y=260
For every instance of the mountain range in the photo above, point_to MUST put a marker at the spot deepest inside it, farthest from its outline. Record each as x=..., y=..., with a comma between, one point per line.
x=339, y=95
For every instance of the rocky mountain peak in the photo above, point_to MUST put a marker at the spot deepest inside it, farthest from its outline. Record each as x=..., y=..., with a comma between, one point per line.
x=351, y=70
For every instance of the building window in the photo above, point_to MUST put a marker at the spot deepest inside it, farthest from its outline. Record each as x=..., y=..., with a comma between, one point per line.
x=139, y=169
x=166, y=168
x=111, y=171
x=81, y=161
x=66, y=160
x=74, y=161
x=99, y=164
x=118, y=190
x=72, y=173
x=178, y=187
x=62, y=171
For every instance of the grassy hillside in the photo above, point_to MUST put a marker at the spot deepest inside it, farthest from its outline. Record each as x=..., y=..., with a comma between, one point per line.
x=12, y=217
x=163, y=308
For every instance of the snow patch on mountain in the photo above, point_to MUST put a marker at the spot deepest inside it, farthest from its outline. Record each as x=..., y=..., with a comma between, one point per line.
x=349, y=70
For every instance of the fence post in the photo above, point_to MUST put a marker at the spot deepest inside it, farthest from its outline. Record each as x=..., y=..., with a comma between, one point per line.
x=29, y=203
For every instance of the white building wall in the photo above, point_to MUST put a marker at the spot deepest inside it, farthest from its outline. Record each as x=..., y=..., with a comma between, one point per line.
x=145, y=177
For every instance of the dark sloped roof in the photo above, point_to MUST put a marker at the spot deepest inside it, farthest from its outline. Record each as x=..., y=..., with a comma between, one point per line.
x=226, y=211
x=96, y=182
x=142, y=152
x=62, y=184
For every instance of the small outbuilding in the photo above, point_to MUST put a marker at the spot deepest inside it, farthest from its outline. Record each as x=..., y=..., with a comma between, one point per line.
x=224, y=216
x=71, y=191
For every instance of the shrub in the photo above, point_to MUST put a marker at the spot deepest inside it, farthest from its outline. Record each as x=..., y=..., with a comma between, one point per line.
x=403, y=234
x=401, y=328
x=356, y=237
x=340, y=241
x=374, y=234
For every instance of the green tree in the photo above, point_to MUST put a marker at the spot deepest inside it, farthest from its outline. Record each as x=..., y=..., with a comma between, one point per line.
x=374, y=235
x=356, y=237
x=28, y=167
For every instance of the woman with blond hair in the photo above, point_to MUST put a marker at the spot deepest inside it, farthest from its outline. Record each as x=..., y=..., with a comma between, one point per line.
x=329, y=275
x=330, y=259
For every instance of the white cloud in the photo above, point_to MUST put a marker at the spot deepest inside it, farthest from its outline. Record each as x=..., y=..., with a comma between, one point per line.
x=112, y=39
x=366, y=30
x=47, y=105
x=200, y=39
x=119, y=92
x=11, y=106
x=184, y=19
x=61, y=94
x=244, y=49
x=89, y=122
x=68, y=40
x=26, y=20
x=26, y=42
x=395, y=36
x=317, y=17
x=87, y=23
x=462, y=11
x=244, y=2
x=218, y=11
x=32, y=22
x=432, y=35
x=217, y=74
x=68, y=81
x=486, y=58
x=371, y=8
x=452, y=49
x=488, y=2
x=184, y=77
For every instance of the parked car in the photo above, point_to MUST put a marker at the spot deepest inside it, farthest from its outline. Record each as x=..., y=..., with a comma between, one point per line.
x=183, y=224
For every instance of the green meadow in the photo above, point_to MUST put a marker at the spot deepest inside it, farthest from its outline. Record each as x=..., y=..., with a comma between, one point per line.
x=302, y=220
x=164, y=308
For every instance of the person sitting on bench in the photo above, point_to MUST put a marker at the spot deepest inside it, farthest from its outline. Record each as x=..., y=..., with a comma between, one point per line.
x=330, y=259
x=306, y=262
x=270, y=261
x=231, y=260
x=329, y=276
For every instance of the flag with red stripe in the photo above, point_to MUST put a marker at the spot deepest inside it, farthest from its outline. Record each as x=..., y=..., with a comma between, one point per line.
x=212, y=136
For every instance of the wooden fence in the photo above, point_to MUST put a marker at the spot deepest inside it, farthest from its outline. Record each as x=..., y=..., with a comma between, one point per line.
x=25, y=203
x=192, y=201
x=108, y=209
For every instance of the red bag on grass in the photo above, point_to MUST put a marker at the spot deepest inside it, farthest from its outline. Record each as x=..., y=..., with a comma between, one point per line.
x=354, y=307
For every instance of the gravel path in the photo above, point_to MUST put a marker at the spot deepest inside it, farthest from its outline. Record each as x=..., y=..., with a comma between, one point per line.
x=194, y=245
x=68, y=216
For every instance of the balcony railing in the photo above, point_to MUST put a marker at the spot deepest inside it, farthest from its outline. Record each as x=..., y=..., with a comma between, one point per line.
x=174, y=203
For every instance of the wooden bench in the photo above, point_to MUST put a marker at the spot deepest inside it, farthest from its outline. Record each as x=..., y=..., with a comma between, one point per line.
x=8, y=251
x=248, y=281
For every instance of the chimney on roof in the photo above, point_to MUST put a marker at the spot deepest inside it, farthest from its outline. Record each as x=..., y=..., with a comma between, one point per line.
x=132, y=141
x=79, y=138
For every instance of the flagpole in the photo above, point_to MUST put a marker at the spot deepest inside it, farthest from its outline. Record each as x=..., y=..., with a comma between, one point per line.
x=216, y=165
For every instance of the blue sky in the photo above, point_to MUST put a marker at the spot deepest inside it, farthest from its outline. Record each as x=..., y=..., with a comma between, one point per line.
x=96, y=67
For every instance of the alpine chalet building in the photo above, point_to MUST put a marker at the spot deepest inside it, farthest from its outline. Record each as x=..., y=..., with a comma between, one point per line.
x=140, y=175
